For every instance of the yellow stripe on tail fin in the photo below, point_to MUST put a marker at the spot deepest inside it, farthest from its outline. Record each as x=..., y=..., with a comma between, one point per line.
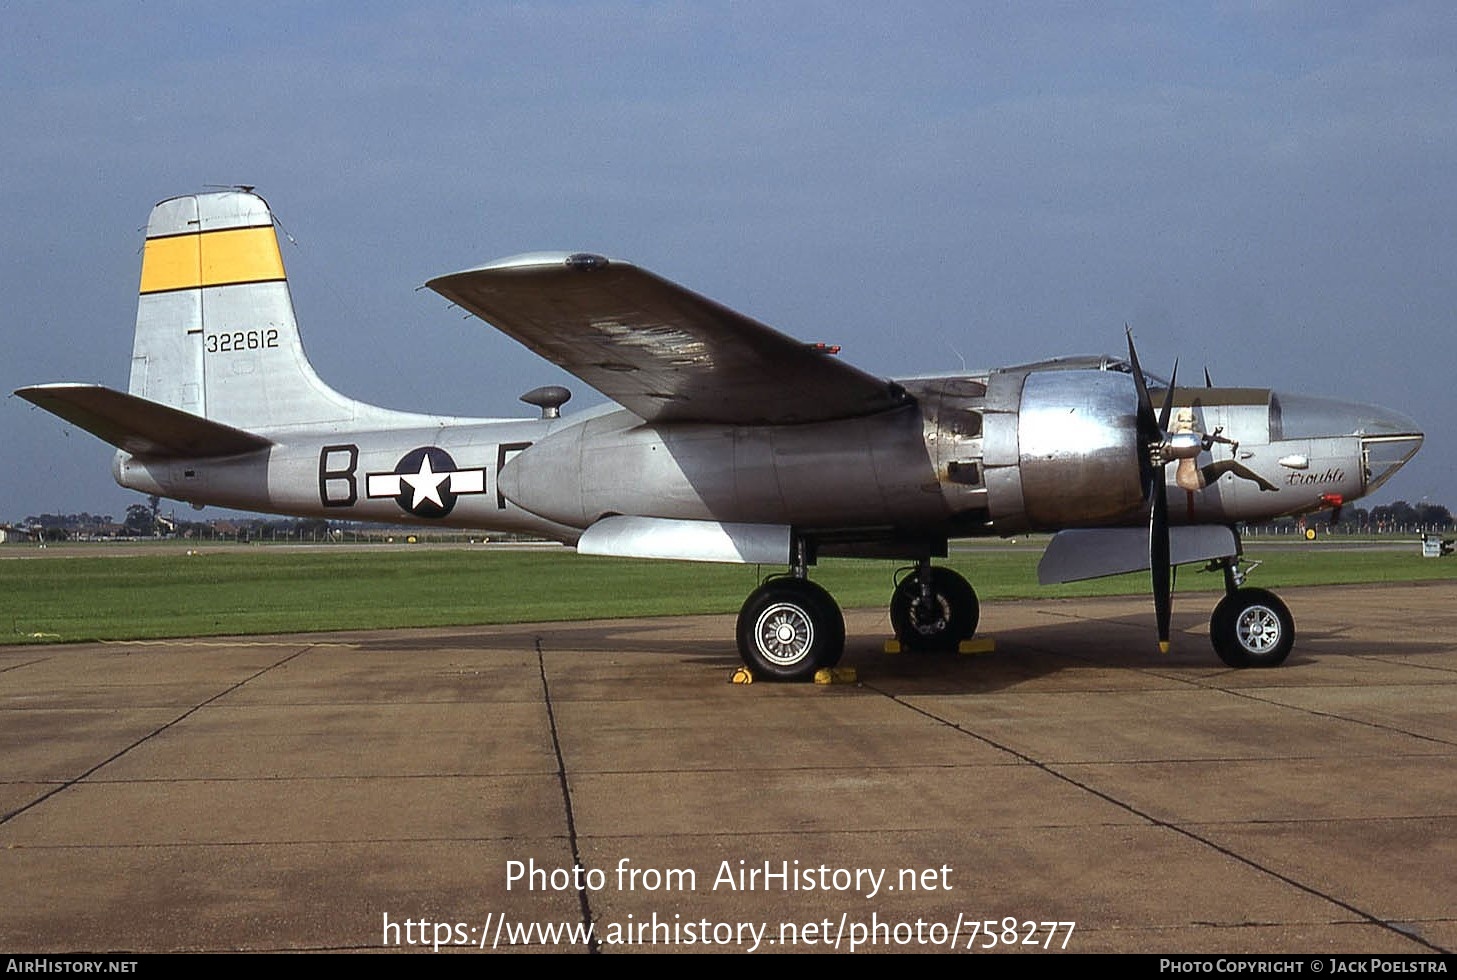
x=223, y=257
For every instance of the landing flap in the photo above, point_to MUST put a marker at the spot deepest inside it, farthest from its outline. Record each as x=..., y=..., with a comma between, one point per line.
x=657, y=537
x=1086, y=553
x=139, y=426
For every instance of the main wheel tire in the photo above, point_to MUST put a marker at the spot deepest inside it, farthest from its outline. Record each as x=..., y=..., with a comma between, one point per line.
x=952, y=617
x=789, y=628
x=1252, y=628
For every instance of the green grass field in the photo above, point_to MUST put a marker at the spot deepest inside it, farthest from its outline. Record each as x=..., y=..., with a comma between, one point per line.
x=238, y=589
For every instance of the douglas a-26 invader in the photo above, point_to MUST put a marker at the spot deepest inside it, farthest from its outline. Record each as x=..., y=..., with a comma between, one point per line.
x=728, y=441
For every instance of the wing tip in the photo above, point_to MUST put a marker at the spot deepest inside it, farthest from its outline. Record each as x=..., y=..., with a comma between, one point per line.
x=538, y=261
x=35, y=394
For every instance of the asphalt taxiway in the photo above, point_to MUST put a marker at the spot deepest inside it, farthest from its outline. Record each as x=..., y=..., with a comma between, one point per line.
x=1073, y=789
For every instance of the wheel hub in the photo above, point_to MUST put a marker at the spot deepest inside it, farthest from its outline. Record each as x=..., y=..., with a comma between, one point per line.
x=930, y=616
x=1258, y=629
x=785, y=633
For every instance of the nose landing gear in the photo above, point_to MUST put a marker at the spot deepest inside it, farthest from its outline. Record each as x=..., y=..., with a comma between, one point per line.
x=1250, y=627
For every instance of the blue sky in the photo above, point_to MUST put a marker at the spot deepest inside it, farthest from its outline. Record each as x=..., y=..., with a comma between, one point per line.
x=1263, y=188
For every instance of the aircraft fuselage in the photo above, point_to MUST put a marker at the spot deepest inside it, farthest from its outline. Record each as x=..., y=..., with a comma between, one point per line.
x=999, y=453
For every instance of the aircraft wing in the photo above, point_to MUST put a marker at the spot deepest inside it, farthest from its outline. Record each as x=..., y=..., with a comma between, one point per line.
x=659, y=350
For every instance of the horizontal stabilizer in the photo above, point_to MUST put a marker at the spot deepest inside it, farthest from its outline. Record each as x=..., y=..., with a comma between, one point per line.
x=1095, y=552
x=139, y=426
x=658, y=537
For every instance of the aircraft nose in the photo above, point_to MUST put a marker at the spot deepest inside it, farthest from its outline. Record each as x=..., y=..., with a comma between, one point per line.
x=1388, y=438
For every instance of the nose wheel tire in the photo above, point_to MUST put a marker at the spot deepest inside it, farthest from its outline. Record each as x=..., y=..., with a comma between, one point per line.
x=1252, y=628
x=950, y=616
x=789, y=628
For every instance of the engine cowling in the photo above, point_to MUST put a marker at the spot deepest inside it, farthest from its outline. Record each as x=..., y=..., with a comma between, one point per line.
x=1062, y=451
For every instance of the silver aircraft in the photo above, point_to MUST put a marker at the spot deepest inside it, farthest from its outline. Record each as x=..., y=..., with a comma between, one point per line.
x=728, y=441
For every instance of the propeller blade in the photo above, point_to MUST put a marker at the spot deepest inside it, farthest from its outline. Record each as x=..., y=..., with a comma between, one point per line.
x=1152, y=431
x=1147, y=421
x=1168, y=406
x=1158, y=558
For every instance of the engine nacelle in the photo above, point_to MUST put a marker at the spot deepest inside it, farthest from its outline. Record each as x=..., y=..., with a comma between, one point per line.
x=871, y=472
x=1062, y=449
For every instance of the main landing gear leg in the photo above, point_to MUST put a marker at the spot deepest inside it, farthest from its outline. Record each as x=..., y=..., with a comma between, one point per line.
x=1250, y=627
x=933, y=608
x=789, y=627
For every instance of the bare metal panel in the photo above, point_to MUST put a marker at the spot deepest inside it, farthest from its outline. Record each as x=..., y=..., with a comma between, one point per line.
x=999, y=423
x=167, y=350
x=1077, y=436
x=1004, y=499
x=1000, y=455
x=1332, y=468
x=831, y=474
x=653, y=537
x=756, y=486
x=263, y=378
x=1004, y=391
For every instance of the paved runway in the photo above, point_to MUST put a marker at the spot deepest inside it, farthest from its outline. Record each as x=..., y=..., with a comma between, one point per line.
x=336, y=791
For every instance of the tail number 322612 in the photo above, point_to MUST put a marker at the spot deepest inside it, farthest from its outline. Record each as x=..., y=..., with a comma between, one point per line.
x=238, y=340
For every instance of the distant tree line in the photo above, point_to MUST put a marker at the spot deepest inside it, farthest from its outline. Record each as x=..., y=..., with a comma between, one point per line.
x=145, y=521
x=1397, y=518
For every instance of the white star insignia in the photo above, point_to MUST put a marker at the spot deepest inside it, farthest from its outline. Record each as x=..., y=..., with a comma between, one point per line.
x=426, y=483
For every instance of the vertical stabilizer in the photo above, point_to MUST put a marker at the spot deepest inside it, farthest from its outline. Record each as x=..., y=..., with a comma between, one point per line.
x=216, y=334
